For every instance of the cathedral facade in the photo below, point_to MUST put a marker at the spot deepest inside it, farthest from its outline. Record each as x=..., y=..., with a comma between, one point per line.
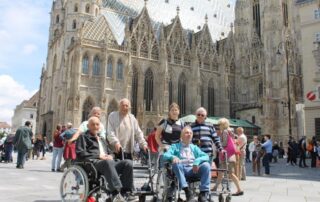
x=102, y=51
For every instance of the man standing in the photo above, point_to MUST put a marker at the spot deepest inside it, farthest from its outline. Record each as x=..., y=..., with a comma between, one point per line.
x=22, y=143
x=267, y=145
x=124, y=130
x=302, y=148
x=242, y=143
x=204, y=134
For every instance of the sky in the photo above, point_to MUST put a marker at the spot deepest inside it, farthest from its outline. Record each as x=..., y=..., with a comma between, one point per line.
x=24, y=26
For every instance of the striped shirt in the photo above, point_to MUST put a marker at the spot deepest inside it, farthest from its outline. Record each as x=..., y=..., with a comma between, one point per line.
x=204, y=135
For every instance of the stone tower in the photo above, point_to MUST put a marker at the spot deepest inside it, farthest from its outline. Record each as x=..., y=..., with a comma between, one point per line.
x=261, y=28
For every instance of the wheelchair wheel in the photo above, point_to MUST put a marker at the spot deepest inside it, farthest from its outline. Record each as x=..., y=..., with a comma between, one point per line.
x=74, y=185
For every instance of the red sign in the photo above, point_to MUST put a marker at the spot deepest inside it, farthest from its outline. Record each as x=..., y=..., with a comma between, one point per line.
x=311, y=96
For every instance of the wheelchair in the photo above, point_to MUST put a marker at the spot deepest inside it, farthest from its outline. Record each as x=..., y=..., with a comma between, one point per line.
x=82, y=183
x=166, y=179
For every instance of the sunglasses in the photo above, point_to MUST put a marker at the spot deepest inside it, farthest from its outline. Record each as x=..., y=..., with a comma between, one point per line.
x=202, y=115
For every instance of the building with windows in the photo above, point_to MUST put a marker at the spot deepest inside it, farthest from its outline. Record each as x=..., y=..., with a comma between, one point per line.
x=5, y=128
x=157, y=52
x=310, y=31
x=26, y=111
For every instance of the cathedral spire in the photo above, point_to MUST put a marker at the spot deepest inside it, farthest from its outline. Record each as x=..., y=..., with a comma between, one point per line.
x=206, y=18
x=178, y=10
x=145, y=3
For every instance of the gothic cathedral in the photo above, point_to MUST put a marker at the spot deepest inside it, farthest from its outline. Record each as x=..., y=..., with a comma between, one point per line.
x=100, y=51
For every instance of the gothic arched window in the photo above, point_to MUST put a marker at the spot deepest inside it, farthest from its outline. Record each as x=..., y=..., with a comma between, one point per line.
x=177, y=56
x=120, y=70
x=187, y=59
x=182, y=93
x=109, y=68
x=202, y=95
x=256, y=16
x=87, y=8
x=74, y=24
x=133, y=47
x=211, y=100
x=148, y=89
x=57, y=19
x=144, y=49
x=86, y=108
x=96, y=66
x=85, y=64
x=54, y=66
x=155, y=52
x=134, y=91
x=75, y=8
x=260, y=89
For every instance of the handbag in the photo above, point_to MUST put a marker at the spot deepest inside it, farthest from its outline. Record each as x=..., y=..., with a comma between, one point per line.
x=231, y=147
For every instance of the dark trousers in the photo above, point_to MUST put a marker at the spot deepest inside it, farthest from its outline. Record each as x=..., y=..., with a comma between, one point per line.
x=313, y=159
x=302, y=159
x=21, y=158
x=113, y=169
x=266, y=161
x=8, y=148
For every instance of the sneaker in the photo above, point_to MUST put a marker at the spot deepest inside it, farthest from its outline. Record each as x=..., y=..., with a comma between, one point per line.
x=132, y=198
x=189, y=195
x=52, y=170
x=203, y=196
x=118, y=198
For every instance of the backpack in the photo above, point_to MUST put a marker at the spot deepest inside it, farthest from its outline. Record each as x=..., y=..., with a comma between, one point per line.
x=310, y=147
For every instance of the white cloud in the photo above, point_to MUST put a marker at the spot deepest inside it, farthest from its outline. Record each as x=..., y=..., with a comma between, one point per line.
x=29, y=49
x=12, y=93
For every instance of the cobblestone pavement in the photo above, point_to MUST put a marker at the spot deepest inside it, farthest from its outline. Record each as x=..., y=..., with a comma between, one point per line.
x=36, y=183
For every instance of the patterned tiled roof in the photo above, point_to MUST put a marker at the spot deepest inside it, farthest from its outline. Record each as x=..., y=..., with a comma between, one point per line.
x=191, y=12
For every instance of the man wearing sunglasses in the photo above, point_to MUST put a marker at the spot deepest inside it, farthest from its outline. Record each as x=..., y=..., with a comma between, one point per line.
x=204, y=134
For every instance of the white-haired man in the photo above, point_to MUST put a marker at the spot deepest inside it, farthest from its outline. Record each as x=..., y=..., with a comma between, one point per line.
x=124, y=131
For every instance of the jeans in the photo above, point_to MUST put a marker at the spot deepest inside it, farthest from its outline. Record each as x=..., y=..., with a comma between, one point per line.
x=266, y=161
x=21, y=158
x=56, y=158
x=185, y=171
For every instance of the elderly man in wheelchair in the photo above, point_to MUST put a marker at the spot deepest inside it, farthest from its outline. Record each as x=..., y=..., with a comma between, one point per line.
x=92, y=150
x=188, y=161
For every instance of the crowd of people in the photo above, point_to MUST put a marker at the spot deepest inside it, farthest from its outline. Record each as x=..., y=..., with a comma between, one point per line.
x=192, y=149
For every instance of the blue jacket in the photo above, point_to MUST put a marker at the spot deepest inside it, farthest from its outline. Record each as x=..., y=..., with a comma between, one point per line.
x=174, y=151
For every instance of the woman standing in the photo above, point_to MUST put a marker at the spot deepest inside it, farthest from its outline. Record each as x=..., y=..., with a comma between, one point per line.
x=227, y=141
x=167, y=133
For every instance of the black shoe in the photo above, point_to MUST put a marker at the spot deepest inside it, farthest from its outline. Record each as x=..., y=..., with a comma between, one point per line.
x=203, y=196
x=240, y=193
x=189, y=195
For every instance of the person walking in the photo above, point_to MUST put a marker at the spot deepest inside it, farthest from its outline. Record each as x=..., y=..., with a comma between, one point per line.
x=242, y=144
x=57, y=149
x=313, y=152
x=69, y=150
x=230, y=148
x=22, y=143
x=8, y=148
x=267, y=146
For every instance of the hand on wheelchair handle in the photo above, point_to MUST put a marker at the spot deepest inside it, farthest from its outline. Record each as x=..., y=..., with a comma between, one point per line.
x=118, y=147
x=175, y=160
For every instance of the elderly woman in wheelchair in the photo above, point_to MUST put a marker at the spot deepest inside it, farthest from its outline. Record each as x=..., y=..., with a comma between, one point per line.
x=95, y=170
x=188, y=161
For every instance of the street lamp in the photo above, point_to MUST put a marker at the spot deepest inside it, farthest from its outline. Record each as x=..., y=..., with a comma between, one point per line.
x=286, y=45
